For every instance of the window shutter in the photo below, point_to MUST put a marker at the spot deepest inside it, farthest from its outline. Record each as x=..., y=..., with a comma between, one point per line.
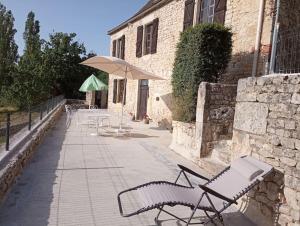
x=188, y=13
x=114, y=48
x=154, y=36
x=139, y=41
x=220, y=11
x=125, y=84
x=121, y=90
x=115, y=90
x=123, y=47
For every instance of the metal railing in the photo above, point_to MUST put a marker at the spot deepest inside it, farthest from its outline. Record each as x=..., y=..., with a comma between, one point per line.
x=287, y=58
x=13, y=123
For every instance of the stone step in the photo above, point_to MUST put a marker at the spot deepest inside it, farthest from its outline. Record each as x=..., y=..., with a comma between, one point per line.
x=212, y=166
x=222, y=151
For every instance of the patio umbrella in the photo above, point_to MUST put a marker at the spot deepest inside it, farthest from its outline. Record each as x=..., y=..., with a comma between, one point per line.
x=122, y=68
x=92, y=83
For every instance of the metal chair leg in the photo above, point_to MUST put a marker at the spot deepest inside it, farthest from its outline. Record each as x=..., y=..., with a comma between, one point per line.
x=191, y=217
x=159, y=212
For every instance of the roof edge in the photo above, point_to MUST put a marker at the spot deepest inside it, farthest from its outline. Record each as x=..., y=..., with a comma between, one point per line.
x=138, y=16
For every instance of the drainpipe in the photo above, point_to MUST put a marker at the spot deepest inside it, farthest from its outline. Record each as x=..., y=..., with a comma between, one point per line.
x=258, y=37
x=275, y=38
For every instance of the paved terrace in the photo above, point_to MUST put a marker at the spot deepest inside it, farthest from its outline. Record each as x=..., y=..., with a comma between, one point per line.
x=74, y=178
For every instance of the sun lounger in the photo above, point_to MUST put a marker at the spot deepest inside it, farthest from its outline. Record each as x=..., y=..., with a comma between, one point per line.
x=212, y=197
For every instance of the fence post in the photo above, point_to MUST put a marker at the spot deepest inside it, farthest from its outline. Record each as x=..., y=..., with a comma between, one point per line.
x=47, y=106
x=41, y=111
x=29, y=119
x=7, y=131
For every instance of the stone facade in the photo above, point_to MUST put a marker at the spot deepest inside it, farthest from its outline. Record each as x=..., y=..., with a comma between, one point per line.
x=11, y=168
x=214, y=122
x=241, y=17
x=266, y=126
x=161, y=63
x=90, y=98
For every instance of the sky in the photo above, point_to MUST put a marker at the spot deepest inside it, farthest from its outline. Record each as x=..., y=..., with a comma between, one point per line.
x=89, y=19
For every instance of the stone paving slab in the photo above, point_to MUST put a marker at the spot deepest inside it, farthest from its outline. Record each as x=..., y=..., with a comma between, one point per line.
x=74, y=178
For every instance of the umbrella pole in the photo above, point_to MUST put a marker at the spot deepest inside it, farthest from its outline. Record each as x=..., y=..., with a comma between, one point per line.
x=123, y=98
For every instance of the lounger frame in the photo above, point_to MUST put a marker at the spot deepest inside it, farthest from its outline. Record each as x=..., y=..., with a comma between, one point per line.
x=215, y=214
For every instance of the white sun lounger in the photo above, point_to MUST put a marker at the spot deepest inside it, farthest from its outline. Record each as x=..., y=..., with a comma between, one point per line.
x=212, y=197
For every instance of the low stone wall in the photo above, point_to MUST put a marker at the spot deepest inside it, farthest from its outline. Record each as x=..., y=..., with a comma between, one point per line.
x=184, y=140
x=12, y=166
x=214, y=121
x=215, y=114
x=267, y=126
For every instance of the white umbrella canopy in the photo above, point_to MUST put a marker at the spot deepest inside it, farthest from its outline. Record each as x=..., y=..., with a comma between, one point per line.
x=122, y=68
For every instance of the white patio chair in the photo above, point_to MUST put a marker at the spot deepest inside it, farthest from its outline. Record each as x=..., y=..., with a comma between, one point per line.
x=69, y=114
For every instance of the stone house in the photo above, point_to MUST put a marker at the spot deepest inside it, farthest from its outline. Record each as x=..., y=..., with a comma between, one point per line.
x=149, y=38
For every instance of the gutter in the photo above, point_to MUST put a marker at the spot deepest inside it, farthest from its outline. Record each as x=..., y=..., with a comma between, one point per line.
x=258, y=37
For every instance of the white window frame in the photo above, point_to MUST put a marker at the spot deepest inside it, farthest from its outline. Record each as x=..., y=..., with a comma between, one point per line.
x=144, y=38
x=210, y=16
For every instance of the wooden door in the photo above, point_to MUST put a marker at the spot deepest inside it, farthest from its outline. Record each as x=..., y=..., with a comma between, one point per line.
x=142, y=99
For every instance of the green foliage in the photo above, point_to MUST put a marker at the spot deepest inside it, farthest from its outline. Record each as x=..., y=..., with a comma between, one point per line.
x=8, y=50
x=62, y=55
x=45, y=69
x=28, y=87
x=203, y=54
x=103, y=76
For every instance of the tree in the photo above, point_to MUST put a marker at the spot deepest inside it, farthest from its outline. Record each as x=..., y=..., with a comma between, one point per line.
x=28, y=87
x=62, y=55
x=8, y=50
x=203, y=54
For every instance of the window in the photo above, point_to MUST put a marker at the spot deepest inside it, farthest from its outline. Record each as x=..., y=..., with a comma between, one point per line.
x=207, y=11
x=212, y=11
x=188, y=14
x=119, y=48
x=118, y=91
x=148, y=38
x=146, y=41
x=121, y=84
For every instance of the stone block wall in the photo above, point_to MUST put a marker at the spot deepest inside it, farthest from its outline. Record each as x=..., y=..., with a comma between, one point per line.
x=214, y=121
x=12, y=166
x=267, y=126
x=90, y=98
x=242, y=18
x=161, y=63
x=215, y=114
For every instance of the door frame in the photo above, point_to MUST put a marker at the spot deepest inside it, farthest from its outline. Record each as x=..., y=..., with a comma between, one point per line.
x=138, y=116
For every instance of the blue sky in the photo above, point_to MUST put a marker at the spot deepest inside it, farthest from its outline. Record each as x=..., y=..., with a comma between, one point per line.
x=89, y=19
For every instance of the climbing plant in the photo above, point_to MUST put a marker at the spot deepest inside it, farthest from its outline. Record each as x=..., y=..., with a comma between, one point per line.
x=202, y=55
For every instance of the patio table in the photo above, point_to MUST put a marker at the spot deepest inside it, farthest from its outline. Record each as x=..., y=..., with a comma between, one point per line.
x=99, y=119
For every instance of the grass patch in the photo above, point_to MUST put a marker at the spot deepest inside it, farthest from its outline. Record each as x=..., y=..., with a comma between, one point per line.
x=8, y=109
x=2, y=140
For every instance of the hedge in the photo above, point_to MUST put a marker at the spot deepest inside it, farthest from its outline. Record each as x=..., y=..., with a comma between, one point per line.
x=202, y=55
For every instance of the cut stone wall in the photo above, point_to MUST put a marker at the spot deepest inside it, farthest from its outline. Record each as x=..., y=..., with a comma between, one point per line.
x=90, y=98
x=215, y=114
x=242, y=18
x=184, y=141
x=267, y=126
x=161, y=63
x=12, y=166
x=214, y=122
